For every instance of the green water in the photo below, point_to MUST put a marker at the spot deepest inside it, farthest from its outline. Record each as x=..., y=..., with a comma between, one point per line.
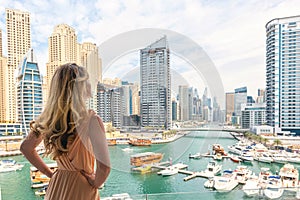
x=16, y=185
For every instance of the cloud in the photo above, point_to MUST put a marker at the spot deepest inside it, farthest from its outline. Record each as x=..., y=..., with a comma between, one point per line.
x=231, y=32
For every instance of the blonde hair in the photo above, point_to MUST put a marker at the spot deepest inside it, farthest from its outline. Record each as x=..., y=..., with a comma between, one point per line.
x=64, y=110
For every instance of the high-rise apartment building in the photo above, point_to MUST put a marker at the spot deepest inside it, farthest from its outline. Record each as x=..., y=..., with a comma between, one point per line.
x=229, y=106
x=29, y=91
x=155, y=81
x=18, y=43
x=62, y=48
x=89, y=58
x=253, y=114
x=283, y=73
x=3, y=82
x=183, y=102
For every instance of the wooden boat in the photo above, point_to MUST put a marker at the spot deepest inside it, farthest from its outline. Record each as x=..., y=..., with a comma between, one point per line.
x=38, y=177
x=111, y=141
x=145, y=158
x=140, y=142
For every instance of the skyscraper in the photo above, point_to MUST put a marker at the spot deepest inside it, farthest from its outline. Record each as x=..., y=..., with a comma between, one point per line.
x=18, y=43
x=62, y=48
x=29, y=91
x=3, y=82
x=229, y=106
x=183, y=102
x=240, y=97
x=283, y=72
x=155, y=84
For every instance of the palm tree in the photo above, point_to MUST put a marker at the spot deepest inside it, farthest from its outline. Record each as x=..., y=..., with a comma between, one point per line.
x=277, y=142
x=265, y=140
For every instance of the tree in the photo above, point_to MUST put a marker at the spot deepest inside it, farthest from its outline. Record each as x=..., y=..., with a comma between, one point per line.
x=277, y=142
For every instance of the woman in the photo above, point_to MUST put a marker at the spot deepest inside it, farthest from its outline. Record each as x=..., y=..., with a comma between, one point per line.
x=72, y=135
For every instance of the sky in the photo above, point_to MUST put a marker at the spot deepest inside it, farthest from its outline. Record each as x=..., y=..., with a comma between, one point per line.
x=231, y=32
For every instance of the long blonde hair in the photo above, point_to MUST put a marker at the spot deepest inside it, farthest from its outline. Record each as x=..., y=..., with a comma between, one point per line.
x=64, y=110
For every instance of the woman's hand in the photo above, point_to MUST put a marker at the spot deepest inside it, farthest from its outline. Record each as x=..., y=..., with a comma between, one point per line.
x=89, y=177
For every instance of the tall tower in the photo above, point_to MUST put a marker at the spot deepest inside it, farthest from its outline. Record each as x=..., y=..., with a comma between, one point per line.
x=229, y=106
x=282, y=73
x=183, y=102
x=155, y=85
x=89, y=58
x=3, y=82
x=62, y=48
x=18, y=43
x=29, y=91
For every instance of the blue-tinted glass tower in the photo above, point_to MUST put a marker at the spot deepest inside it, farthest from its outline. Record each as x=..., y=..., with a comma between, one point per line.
x=29, y=91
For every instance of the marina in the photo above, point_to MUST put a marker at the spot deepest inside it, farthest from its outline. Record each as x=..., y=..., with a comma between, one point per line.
x=180, y=185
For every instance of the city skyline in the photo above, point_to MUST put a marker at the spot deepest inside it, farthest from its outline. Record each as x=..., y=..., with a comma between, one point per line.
x=236, y=52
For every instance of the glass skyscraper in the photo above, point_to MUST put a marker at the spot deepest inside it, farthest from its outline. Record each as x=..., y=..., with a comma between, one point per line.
x=29, y=91
x=155, y=85
x=283, y=74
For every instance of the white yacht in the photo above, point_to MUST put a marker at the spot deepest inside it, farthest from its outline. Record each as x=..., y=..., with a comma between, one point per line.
x=251, y=188
x=212, y=169
x=209, y=183
x=171, y=170
x=226, y=182
x=263, y=157
x=236, y=149
x=9, y=165
x=279, y=158
x=293, y=158
x=242, y=174
x=274, y=188
x=246, y=157
x=289, y=176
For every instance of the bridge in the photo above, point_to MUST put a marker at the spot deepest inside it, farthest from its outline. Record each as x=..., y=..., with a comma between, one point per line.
x=213, y=129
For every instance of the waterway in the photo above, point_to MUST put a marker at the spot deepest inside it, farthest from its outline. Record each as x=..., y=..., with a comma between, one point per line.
x=16, y=185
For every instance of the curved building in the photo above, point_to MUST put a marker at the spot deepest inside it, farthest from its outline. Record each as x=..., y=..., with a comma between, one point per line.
x=29, y=91
x=283, y=74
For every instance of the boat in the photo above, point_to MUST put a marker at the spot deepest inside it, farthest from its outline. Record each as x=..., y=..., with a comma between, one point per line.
x=236, y=149
x=252, y=187
x=41, y=192
x=235, y=159
x=209, y=183
x=40, y=185
x=293, y=158
x=298, y=193
x=195, y=156
x=9, y=165
x=263, y=157
x=169, y=171
x=127, y=149
x=38, y=177
x=145, y=158
x=242, y=174
x=142, y=169
x=212, y=169
x=246, y=157
x=279, y=158
x=273, y=189
x=218, y=156
x=122, y=196
x=140, y=142
x=289, y=176
x=226, y=182
x=111, y=141
x=217, y=148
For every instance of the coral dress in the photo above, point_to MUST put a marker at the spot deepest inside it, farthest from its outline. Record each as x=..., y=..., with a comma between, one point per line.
x=68, y=183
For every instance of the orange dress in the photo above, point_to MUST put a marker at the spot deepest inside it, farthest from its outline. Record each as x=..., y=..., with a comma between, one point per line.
x=68, y=183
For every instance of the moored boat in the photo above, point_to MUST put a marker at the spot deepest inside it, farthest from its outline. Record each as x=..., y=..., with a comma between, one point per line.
x=289, y=176
x=226, y=182
x=273, y=189
x=235, y=159
x=251, y=187
x=171, y=170
x=9, y=165
x=145, y=158
x=111, y=141
x=212, y=169
x=140, y=142
x=38, y=177
x=142, y=169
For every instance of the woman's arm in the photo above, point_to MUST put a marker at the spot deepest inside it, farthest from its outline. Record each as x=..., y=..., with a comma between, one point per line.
x=28, y=149
x=100, y=148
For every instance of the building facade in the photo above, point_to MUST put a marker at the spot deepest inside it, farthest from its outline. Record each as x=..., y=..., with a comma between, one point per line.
x=18, y=44
x=29, y=91
x=3, y=84
x=253, y=114
x=155, y=85
x=62, y=48
x=282, y=74
x=229, y=106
